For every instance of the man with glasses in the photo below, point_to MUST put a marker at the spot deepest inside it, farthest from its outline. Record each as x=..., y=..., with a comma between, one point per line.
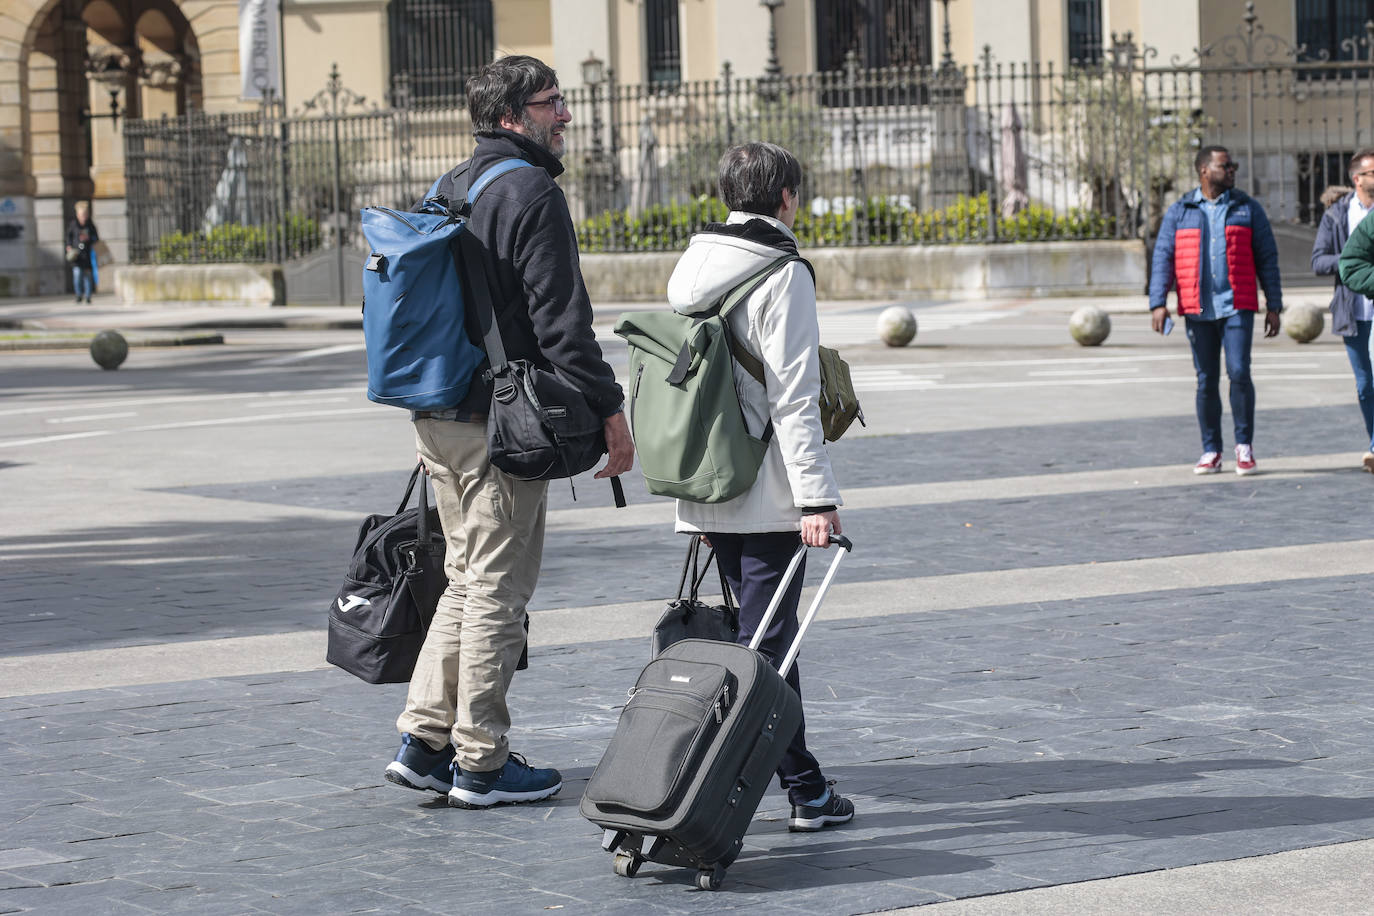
x=453, y=729
x=1351, y=313
x=1217, y=249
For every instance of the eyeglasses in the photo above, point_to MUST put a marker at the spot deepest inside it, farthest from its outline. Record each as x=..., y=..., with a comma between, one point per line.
x=560, y=106
x=1230, y=167
x=1365, y=174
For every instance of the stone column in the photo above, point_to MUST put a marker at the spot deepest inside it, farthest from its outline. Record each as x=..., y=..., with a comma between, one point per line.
x=949, y=170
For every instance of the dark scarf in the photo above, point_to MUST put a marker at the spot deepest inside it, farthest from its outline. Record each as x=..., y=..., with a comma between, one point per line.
x=762, y=232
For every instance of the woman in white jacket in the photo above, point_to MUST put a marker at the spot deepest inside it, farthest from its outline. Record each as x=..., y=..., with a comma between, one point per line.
x=794, y=499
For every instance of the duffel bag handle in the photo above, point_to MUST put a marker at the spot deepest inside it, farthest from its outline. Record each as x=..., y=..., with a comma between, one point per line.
x=422, y=526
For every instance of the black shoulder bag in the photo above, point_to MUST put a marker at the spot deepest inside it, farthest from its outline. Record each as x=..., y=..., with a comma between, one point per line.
x=540, y=426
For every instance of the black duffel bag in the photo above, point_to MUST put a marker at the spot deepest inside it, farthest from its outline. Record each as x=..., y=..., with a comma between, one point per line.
x=378, y=620
x=688, y=617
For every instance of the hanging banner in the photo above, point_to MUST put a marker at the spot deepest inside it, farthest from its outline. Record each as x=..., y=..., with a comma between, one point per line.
x=259, y=53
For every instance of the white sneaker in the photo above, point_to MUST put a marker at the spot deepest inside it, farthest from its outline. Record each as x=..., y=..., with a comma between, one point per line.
x=1245, y=460
x=1209, y=463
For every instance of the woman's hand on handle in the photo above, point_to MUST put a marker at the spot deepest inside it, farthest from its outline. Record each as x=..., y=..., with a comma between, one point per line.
x=815, y=529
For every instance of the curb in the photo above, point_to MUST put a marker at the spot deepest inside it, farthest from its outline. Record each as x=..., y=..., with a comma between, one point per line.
x=82, y=341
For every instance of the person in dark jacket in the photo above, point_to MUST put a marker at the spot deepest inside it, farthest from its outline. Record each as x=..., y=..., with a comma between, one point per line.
x=1216, y=247
x=81, y=239
x=1351, y=313
x=453, y=728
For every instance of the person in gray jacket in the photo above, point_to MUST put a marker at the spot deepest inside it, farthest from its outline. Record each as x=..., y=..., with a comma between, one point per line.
x=795, y=499
x=1352, y=314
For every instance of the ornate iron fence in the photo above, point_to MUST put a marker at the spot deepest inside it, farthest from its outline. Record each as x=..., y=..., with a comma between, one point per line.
x=913, y=155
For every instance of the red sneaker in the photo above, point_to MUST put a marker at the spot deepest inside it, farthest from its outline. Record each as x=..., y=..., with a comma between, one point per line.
x=1245, y=460
x=1209, y=463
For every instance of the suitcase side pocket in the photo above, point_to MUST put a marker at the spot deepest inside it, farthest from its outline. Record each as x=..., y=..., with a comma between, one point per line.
x=672, y=717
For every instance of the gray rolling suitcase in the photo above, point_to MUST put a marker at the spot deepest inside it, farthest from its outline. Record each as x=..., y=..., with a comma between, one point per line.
x=706, y=727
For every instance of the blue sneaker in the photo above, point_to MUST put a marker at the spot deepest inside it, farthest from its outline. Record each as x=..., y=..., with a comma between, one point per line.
x=418, y=767
x=517, y=781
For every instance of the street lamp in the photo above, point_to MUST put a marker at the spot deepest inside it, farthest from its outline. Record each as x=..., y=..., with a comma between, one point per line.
x=774, y=69
x=593, y=75
x=111, y=67
x=593, y=70
x=948, y=59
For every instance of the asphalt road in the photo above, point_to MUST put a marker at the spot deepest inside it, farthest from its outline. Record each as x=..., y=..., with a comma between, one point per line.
x=1080, y=662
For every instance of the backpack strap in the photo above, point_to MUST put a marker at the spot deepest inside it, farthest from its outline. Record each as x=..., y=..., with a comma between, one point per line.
x=485, y=179
x=469, y=192
x=750, y=363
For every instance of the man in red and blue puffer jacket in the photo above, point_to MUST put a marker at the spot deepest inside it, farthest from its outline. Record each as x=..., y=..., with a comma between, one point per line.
x=1216, y=248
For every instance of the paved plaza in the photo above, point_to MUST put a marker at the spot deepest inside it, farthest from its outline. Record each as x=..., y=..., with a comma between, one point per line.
x=1059, y=673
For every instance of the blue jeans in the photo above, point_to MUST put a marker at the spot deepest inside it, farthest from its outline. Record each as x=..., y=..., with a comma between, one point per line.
x=753, y=565
x=1209, y=339
x=1357, y=348
x=82, y=281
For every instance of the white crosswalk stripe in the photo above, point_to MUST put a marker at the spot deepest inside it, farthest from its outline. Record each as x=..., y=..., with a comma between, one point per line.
x=847, y=330
x=853, y=330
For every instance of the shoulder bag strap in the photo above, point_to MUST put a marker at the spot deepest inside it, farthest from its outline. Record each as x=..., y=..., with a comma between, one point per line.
x=474, y=266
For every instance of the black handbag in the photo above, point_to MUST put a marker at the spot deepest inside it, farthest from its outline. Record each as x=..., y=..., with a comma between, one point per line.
x=689, y=617
x=378, y=619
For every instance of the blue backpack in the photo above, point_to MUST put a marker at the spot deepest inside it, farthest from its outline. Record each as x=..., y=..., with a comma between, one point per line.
x=419, y=355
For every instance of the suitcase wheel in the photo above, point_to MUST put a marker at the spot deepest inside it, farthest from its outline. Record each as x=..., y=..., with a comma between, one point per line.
x=626, y=865
x=710, y=879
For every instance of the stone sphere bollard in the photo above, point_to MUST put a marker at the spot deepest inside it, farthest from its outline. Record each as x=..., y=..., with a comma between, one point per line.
x=1304, y=323
x=897, y=326
x=108, y=349
x=1090, y=325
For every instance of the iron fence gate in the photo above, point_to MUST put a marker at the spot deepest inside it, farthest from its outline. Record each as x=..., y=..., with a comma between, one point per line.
x=906, y=155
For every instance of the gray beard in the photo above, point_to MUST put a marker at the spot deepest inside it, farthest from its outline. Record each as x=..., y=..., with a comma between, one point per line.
x=540, y=135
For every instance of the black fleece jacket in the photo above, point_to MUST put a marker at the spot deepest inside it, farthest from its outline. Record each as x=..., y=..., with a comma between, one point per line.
x=541, y=302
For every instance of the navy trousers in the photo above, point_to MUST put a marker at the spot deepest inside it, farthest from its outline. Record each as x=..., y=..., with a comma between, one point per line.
x=753, y=565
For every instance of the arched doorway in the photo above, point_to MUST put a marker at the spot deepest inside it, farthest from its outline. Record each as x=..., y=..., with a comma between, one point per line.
x=82, y=67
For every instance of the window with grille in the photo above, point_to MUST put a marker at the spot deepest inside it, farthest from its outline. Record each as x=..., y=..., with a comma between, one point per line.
x=1323, y=26
x=1085, y=31
x=884, y=33
x=664, y=44
x=438, y=44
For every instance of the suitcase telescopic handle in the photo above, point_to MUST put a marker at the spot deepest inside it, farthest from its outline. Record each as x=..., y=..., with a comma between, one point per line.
x=838, y=540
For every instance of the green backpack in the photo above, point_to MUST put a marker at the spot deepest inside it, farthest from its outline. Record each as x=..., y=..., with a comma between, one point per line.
x=684, y=412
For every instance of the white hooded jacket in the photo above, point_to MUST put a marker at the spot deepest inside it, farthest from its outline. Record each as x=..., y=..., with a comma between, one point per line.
x=778, y=324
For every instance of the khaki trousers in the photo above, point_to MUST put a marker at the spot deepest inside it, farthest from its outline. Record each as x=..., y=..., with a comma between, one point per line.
x=494, y=528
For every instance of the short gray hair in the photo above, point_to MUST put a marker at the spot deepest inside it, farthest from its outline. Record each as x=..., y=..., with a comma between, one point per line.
x=753, y=175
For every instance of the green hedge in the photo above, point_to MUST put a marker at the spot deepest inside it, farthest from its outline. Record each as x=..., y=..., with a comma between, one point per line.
x=668, y=227
x=231, y=242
